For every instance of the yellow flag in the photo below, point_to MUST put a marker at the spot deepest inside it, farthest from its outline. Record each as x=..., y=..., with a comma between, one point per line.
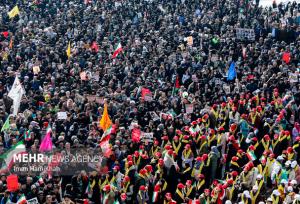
x=15, y=11
x=69, y=50
x=105, y=121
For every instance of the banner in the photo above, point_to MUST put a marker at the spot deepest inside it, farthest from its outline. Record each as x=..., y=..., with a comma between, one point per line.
x=245, y=34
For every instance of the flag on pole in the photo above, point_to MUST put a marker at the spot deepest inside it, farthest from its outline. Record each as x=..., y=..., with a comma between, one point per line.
x=46, y=144
x=14, y=12
x=176, y=86
x=231, y=72
x=105, y=121
x=22, y=200
x=105, y=146
x=117, y=51
x=6, y=125
x=69, y=50
x=136, y=134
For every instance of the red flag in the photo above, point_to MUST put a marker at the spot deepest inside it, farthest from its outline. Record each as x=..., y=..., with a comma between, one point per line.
x=54, y=163
x=135, y=135
x=145, y=92
x=5, y=34
x=286, y=57
x=177, y=84
x=117, y=51
x=12, y=182
x=95, y=47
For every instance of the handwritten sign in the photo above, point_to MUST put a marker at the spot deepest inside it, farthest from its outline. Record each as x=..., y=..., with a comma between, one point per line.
x=245, y=34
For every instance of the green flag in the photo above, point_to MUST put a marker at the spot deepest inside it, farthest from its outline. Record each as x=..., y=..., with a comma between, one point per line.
x=6, y=125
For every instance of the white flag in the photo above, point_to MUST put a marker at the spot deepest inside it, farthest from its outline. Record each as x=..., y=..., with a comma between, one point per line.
x=16, y=94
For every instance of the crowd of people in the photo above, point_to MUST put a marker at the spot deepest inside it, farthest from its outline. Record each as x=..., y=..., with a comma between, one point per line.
x=183, y=131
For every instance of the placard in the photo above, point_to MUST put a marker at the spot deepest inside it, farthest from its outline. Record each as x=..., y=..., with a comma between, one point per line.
x=36, y=69
x=62, y=115
x=190, y=40
x=83, y=76
x=33, y=201
x=226, y=88
x=189, y=108
x=293, y=77
x=214, y=58
x=147, y=136
x=245, y=34
x=148, y=97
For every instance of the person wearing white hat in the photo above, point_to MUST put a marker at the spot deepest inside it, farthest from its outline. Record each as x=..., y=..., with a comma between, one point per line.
x=290, y=196
x=228, y=202
x=255, y=194
x=269, y=200
x=245, y=197
x=292, y=174
x=275, y=197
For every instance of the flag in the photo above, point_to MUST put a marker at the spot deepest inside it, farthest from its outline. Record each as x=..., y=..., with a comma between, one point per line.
x=195, y=201
x=176, y=86
x=251, y=156
x=88, y=190
x=95, y=47
x=22, y=200
x=145, y=92
x=286, y=57
x=117, y=51
x=155, y=197
x=19, y=148
x=46, y=144
x=27, y=135
x=105, y=121
x=231, y=72
x=244, y=52
x=16, y=94
x=6, y=125
x=5, y=34
x=10, y=46
x=105, y=146
x=15, y=11
x=107, y=133
x=12, y=182
x=135, y=135
x=69, y=50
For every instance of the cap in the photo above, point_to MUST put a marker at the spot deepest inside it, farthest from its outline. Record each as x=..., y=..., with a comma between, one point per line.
x=142, y=188
x=267, y=137
x=117, y=168
x=180, y=186
x=106, y=188
x=188, y=182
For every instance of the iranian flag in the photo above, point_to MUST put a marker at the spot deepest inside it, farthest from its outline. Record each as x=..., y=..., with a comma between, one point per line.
x=195, y=201
x=19, y=148
x=22, y=200
x=117, y=51
x=107, y=133
x=105, y=146
x=155, y=197
x=251, y=156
